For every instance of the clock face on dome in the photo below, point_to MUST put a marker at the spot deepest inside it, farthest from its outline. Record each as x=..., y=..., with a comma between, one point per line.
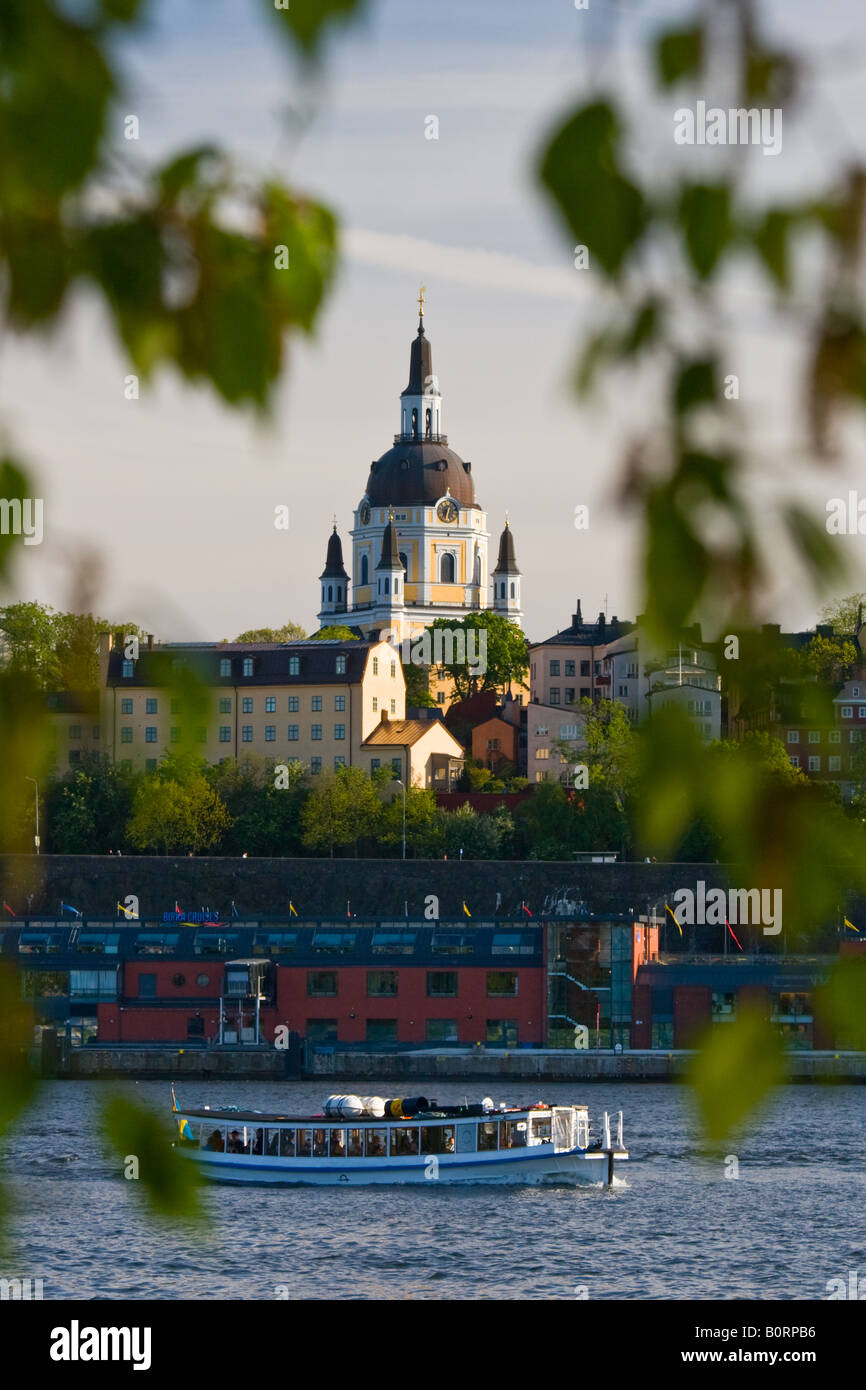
x=448, y=510
x=365, y=514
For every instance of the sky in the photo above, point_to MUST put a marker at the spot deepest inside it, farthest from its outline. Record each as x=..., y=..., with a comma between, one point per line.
x=160, y=510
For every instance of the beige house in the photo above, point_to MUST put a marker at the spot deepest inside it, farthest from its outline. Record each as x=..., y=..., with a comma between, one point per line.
x=422, y=752
x=321, y=704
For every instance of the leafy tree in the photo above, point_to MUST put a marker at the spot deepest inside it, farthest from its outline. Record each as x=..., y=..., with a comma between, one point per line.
x=28, y=633
x=59, y=651
x=420, y=821
x=843, y=614
x=174, y=817
x=506, y=662
x=545, y=823
x=266, y=818
x=478, y=836
x=341, y=810
x=86, y=811
x=417, y=678
x=289, y=632
x=338, y=633
x=830, y=658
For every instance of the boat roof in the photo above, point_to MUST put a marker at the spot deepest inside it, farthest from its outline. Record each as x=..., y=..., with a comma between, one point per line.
x=443, y=1112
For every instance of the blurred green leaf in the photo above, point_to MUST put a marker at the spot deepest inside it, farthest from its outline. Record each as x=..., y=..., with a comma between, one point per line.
x=188, y=170
x=308, y=20
x=171, y=1184
x=603, y=208
x=695, y=385
x=705, y=216
x=123, y=11
x=738, y=1064
x=821, y=550
x=38, y=265
x=17, y=1078
x=53, y=101
x=14, y=488
x=679, y=54
x=771, y=240
x=676, y=563
x=841, y=1002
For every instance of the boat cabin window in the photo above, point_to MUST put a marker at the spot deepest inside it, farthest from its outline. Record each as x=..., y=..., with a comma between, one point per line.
x=488, y=1135
x=287, y=1143
x=563, y=1129
x=258, y=1142
x=338, y=1143
x=437, y=1139
x=320, y=1143
x=213, y=1138
x=302, y=1143
x=272, y=1143
x=541, y=1130
x=514, y=1134
x=376, y=1145
x=404, y=1140
x=356, y=1143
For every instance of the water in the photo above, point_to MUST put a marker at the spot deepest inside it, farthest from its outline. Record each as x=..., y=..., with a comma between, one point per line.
x=676, y=1229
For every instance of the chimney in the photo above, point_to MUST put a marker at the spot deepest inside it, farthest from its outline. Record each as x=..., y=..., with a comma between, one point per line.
x=150, y=641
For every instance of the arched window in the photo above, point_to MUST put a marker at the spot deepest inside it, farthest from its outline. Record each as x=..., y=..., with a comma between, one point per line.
x=414, y=422
x=446, y=569
x=512, y=591
x=330, y=592
x=365, y=570
x=387, y=585
x=396, y=586
x=428, y=423
x=404, y=562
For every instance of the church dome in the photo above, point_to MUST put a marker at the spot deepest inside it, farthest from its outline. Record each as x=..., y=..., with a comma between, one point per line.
x=419, y=472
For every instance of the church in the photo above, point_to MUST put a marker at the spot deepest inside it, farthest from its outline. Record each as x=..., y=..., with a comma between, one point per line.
x=419, y=539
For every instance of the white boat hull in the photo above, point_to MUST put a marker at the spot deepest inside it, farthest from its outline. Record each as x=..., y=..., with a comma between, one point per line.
x=526, y=1167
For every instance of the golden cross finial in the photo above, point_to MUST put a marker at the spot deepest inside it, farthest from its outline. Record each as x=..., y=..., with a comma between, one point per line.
x=506, y=517
x=421, y=301
x=335, y=521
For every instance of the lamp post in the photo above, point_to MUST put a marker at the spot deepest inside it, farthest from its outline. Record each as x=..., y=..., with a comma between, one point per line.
x=402, y=786
x=36, y=787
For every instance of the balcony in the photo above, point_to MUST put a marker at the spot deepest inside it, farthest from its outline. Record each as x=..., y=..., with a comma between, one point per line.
x=421, y=439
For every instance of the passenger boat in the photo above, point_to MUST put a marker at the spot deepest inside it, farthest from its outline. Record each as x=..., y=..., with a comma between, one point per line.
x=358, y=1141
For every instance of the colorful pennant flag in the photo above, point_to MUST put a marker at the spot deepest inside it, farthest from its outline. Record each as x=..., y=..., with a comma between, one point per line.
x=65, y=907
x=674, y=915
x=9, y=909
x=127, y=912
x=851, y=925
x=526, y=909
x=292, y=908
x=466, y=910
x=731, y=930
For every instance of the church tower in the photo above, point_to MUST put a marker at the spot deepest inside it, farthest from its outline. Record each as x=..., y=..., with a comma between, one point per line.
x=421, y=493
x=335, y=583
x=390, y=578
x=506, y=578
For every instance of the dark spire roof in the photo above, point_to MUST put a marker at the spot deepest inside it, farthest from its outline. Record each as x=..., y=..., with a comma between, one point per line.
x=506, y=564
x=334, y=560
x=390, y=554
x=421, y=366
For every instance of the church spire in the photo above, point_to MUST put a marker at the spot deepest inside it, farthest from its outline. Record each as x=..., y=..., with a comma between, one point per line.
x=506, y=577
x=334, y=580
x=421, y=403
